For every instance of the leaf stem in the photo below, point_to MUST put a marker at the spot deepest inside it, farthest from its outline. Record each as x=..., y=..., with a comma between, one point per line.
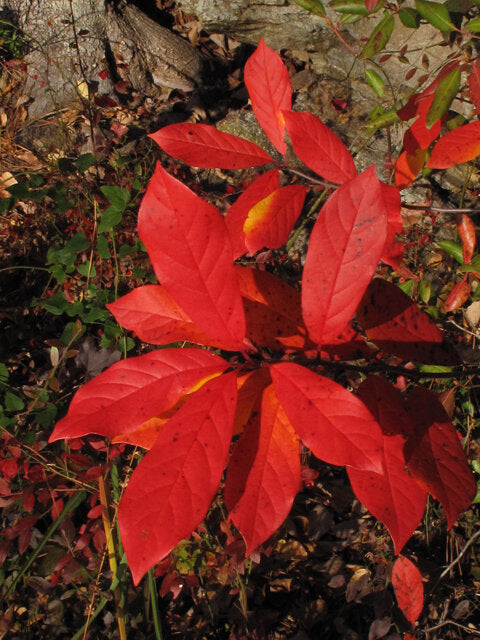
x=154, y=601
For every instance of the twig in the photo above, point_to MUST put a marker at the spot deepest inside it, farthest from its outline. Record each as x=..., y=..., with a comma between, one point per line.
x=455, y=624
x=421, y=207
x=459, y=557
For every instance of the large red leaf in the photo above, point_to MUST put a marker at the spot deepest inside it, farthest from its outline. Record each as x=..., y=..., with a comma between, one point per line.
x=201, y=145
x=418, y=136
x=393, y=251
x=408, y=166
x=457, y=146
x=171, y=489
x=188, y=244
x=270, y=91
x=155, y=317
x=474, y=84
x=132, y=391
x=270, y=221
x=263, y=475
x=345, y=246
x=272, y=309
x=238, y=212
x=250, y=389
x=408, y=587
x=319, y=148
x=435, y=457
x=396, y=325
x=391, y=496
x=333, y=423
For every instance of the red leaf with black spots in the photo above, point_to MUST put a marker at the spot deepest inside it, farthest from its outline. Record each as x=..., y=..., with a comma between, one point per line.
x=408, y=587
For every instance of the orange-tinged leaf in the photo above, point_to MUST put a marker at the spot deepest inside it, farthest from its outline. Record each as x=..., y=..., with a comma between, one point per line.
x=391, y=496
x=187, y=241
x=466, y=229
x=270, y=91
x=396, y=325
x=408, y=166
x=273, y=311
x=457, y=146
x=171, y=489
x=270, y=221
x=155, y=317
x=146, y=435
x=238, y=212
x=201, y=145
x=418, y=135
x=408, y=587
x=333, y=423
x=474, y=84
x=457, y=296
x=345, y=246
x=319, y=148
x=435, y=457
x=260, y=500
x=132, y=391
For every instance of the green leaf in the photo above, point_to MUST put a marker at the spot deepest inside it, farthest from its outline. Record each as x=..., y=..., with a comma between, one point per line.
x=383, y=119
x=314, y=6
x=434, y=368
x=111, y=217
x=46, y=417
x=425, y=291
x=471, y=267
x=13, y=402
x=379, y=37
x=445, y=92
x=56, y=304
x=78, y=243
x=117, y=196
x=3, y=372
x=86, y=270
x=85, y=161
x=453, y=249
x=103, y=248
x=349, y=18
x=473, y=25
x=375, y=81
x=409, y=17
x=434, y=13
x=354, y=7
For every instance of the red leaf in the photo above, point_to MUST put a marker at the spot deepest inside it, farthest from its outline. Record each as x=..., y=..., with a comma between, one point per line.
x=238, y=212
x=345, y=246
x=250, y=389
x=155, y=317
x=418, y=136
x=171, y=489
x=408, y=166
x=372, y=4
x=201, y=145
x=393, y=250
x=408, y=587
x=396, y=325
x=332, y=422
x=457, y=146
x=263, y=475
x=457, y=296
x=392, y=496
x=435, y=457
x=466, y=229
x=270, y=91
x=474, y=84
x=189, y=247
x=131, y=391
x=270, y=221
x=319, y=148
x=272, y=308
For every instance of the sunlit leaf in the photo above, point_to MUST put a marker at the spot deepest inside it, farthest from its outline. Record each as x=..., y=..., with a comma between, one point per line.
x=260, y=188
x=408, y=167
x=260, y=495
x=375, y=80
x=171, y=489
x=321, y=149
x=466, y=229
x=270, y=91
x=455, y=147
x=314, y=6
x=474, y=84
x=457, y=297
x=333, y=423
x=345, y=246
x=187, y=241
x=408, y=587
x=202, y=145
x=132, y=391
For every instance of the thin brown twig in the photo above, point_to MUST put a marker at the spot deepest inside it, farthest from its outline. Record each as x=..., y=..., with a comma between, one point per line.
x=455, y=624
